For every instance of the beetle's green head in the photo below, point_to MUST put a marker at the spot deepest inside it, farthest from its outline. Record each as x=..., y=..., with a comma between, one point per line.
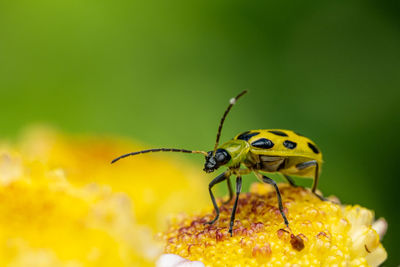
x=230, y=154
x=213, y=162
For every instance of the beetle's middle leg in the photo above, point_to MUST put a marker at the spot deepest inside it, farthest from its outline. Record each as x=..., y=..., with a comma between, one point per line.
x=268, y=180
x=216, y=180
x=238, y=172
x=229, y=184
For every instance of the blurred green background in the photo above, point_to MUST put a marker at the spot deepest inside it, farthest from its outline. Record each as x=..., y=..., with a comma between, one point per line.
x=162, y=73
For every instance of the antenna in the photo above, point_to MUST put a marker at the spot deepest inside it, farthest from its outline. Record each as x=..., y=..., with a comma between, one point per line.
x=232, y=102
x=159, y=150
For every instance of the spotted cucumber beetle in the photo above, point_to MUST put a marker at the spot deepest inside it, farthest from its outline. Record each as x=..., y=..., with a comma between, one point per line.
x=266, y=151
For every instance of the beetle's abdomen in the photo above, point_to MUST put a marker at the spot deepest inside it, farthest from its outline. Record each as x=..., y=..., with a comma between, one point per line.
x=270, y=164
x=278, y=142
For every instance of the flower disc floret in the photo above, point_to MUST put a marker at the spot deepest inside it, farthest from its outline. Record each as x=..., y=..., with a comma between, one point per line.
x=321, y=233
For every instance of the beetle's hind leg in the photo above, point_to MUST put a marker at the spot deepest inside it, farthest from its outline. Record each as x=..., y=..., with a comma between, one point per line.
x=216, y=180
x=229, y=184
x=320, y=197
x=292, y=183
x=308, y=164
x=315, y=184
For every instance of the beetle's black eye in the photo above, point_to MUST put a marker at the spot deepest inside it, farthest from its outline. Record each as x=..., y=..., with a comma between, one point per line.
x=209, y=155
x=222, y=156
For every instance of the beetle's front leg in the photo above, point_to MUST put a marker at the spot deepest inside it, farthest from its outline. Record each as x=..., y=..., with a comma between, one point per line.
x=238, y=189
x=215, y=181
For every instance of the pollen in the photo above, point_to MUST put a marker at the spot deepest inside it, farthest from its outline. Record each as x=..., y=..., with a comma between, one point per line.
x=320, y=233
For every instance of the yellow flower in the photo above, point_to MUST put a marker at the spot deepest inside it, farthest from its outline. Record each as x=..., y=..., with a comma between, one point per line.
x=321, y=233
x=63, y=204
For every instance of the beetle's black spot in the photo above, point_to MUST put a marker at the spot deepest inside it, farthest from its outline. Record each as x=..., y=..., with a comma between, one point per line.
x=247, y=135
x=290, y=144
x=263, y=143
x=280, y=133
x=313, y=148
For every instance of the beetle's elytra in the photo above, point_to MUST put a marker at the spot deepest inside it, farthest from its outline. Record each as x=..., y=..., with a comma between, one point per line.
x=260, y=152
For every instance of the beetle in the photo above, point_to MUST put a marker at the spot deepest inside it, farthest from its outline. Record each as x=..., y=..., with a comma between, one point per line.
x=260, y=152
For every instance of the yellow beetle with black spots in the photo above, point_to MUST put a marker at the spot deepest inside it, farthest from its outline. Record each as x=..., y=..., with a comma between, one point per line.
x=260, y=152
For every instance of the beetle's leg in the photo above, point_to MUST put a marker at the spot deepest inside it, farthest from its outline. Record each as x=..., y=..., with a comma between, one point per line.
x=238, y=189
x=228, y=181
x=290, y=180
x=215, y=181
x=243, y=171
x=278, y=194
x=315, y=183
x=238, y=172
x=316, y=178
x=307, y=164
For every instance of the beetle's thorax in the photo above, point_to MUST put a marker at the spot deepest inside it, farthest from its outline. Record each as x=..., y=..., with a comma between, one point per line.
x=238, y=150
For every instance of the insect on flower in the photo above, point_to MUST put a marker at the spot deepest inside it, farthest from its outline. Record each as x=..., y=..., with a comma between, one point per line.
x=260, y=152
